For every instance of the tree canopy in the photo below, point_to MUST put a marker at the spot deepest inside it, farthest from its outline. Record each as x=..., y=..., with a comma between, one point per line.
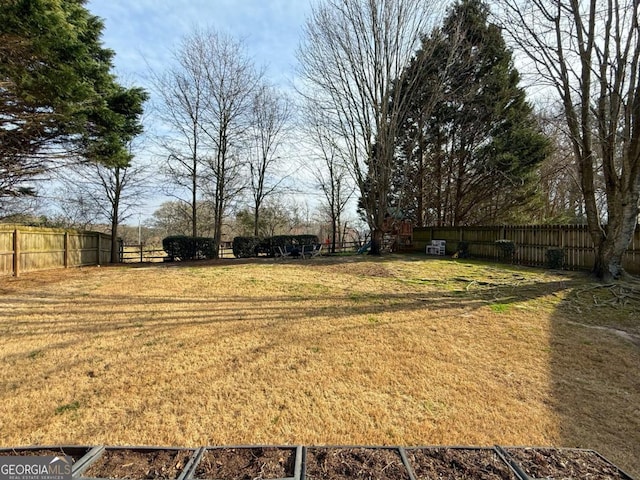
x=469, y=142
x=58, y=97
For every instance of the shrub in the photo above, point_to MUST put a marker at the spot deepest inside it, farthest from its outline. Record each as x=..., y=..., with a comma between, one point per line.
x=307, y=239
x=506, y=249
x=555, y=258
x=181, y=247
x=245, y=247
x=252, y=246
x=270, y=244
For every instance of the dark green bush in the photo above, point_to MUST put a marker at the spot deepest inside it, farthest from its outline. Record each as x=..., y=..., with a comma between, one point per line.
x=555, y=258
x=245, y=247
x=183, y=248
x=252, y=246
x=270, y=244
x=307, y=239
x=506, y=250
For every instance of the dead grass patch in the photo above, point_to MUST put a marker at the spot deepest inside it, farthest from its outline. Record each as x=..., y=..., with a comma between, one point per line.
x=397, y=350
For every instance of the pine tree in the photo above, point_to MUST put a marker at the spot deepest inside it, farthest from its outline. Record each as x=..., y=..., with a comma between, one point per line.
x=472, y=159
x=58, y=97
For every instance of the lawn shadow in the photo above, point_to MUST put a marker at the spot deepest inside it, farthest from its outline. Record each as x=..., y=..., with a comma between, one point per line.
x=595, y=366
x=593, y=369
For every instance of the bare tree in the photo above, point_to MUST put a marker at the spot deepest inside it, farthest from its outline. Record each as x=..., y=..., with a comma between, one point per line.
x=354, y=53
x=109, y=193
x=330, y=173
x=182, y=93
x=588, y=53
x=231, y=82
x=172, y=218
x=270, y=116
x=559, y=178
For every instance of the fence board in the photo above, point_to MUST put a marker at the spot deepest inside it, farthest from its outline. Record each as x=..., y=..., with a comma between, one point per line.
x=531, y=241
x=43, y=248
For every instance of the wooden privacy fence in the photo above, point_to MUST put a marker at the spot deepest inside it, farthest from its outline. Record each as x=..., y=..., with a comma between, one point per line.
x=531, y=243
x=26, y=249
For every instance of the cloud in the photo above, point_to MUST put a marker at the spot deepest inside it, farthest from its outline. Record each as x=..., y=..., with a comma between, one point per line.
x=145, y=31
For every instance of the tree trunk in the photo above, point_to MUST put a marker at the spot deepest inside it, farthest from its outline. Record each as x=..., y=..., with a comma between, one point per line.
x=377, y=236
x=256, y=219
x=115, y=251
x=334, y=232
x=611, y=245
x=115, y=218
x=217, y=230
x=194, y=205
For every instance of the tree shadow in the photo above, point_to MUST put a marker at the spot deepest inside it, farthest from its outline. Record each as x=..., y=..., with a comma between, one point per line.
x=594, y=366
x=593, y=372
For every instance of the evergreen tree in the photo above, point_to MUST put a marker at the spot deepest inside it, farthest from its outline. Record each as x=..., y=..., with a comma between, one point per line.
x=472, y=159
x=58, y=98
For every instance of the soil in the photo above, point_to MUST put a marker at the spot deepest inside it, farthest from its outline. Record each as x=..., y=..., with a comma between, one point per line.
x=458, y=464
x=564, y=464
x=354, y=464
x=139, y=464
x=75, y=453
x=247, y=463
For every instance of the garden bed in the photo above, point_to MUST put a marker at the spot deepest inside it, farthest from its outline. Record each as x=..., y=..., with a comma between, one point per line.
x=337, y=463
x=331, y=463
x=459, y=464
x=247, y=463
x=565, y=464
x=139, y=463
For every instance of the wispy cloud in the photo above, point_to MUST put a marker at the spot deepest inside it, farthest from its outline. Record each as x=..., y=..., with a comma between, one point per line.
x=144, y=32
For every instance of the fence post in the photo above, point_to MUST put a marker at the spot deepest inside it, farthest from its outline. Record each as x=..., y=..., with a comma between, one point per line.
x=141, y=256
x=16, y=253
x=66, y=249
x=99, y=249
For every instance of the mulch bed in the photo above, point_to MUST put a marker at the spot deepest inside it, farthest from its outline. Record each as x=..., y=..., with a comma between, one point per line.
x=139, y=464
x=458, y=464
x=564, y=464
x=336, y=463
x=354, y=464
x=246, y=463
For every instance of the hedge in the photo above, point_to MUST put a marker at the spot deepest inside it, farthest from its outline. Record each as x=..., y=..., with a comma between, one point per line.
x=181, y=247
x=244, y=247
x=253, y=246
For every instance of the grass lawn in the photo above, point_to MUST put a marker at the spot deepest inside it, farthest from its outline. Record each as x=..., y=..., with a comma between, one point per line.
x=398, y=350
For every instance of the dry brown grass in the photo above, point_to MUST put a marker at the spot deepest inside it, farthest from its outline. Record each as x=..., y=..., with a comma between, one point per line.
x=350, y=351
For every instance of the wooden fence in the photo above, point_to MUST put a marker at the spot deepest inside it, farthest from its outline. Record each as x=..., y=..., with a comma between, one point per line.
x=531, y=242
x=26, y=249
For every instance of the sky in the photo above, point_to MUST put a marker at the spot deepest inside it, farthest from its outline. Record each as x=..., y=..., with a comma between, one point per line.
x=143, y=34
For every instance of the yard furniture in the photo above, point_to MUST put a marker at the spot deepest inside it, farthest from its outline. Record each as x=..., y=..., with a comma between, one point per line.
x=437, y=247
x=310, y=251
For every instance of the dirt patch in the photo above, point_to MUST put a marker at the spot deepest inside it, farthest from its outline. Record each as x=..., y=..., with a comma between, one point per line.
x=139, y=464
x=247, y=463
x=564, y=464
x=354, y=464
x=458, y=464
x=355, y=266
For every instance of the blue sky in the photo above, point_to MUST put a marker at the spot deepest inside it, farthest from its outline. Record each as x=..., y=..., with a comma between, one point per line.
x=144, y=32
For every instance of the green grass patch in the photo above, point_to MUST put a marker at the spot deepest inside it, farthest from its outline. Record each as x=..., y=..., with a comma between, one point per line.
x=67, y=407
